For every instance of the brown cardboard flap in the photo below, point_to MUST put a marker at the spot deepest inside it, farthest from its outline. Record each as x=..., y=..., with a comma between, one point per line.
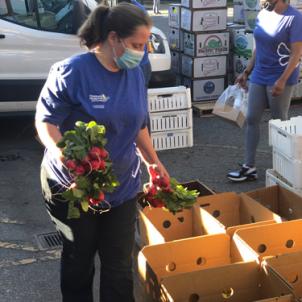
x=269, y=240
x=289, y=268
x=235, y=211
x=185, y=255
x=285, y=203
x=239, y=282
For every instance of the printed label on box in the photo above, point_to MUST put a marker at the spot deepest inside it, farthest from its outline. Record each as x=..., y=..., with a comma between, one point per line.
x=174, y=16
x=203, y=20
x=250, y=19
x=203, y=3
x=174, y=38
x=238, y=13
x=243, y=43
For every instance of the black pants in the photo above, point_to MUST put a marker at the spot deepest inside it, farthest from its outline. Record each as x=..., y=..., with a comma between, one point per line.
x=110, y=234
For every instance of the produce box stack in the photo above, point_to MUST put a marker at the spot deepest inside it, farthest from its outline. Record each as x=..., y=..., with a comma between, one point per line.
x=205, y=47
x=175, y=38
x=170, y=117
x=238, y=11
x=285, y=137
x=251, y=10
x=232, y=28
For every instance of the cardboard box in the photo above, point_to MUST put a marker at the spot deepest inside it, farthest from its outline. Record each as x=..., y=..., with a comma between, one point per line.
x=195, y=4
x=235, y=211
x=287, y=267
x=238, y=12
x=239, y=282
x=252, y=4
x=250, y=19
x=203, y=20
x=174, y=15
x=203, y=67
x=206, y=44
x=284, y=202
x=161, y=261
x=243, y=43
x=176, y=61
x=231, y=110
x=240, y=64
x=256, y=242
x=205, y=89
x=154, y=225
x=175, y=37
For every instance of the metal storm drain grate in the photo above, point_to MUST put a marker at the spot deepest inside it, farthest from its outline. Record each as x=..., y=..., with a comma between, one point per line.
x=49, y=240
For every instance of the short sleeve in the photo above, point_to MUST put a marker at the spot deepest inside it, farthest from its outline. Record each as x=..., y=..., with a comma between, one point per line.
x=295, y=29
x=55, y=101
x=144, y=99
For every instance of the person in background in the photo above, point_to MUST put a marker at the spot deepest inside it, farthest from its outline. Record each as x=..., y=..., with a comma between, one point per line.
x=106, y=85
x=156, y=5
x=273, y=71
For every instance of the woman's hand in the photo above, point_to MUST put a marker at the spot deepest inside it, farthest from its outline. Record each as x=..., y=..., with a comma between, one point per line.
x=159, y=167
x=278, y=87
x=241, y=80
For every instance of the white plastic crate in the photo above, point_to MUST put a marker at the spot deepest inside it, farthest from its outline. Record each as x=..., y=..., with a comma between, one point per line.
x=272, y=178
x=171, y=120
x=169, y=98
x=288, y=168
x=286, y=137
x=172, y=139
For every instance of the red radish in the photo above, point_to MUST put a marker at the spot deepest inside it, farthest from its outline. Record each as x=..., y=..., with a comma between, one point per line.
x=71, y=164
x=93, y=201
x=103, y=153
x=95, y=165
x=79, y=170
x=102, y=165
x=101, y=196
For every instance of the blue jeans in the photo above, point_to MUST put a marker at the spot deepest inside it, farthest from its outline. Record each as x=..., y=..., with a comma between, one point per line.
x=110, y=234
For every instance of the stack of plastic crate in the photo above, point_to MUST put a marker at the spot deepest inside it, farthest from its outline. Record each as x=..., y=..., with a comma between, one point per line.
x=285, y=137
x=171, y=122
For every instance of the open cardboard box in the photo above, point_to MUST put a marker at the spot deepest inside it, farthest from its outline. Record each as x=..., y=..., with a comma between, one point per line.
x=158, y=262
x=239, y=282
x=256, y=242
x=232, y=211
x=287, y=267
x=156, y=225
x=285, y=203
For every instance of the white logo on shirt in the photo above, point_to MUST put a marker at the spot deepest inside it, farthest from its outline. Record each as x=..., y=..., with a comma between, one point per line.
x=283, y=52
x=98, y=100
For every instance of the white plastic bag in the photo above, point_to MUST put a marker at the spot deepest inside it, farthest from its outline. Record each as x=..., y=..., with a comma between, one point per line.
x=232, y=104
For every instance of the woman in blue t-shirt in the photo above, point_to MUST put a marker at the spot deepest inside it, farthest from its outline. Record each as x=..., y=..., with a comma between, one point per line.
x=273, y=70
x=105, y=85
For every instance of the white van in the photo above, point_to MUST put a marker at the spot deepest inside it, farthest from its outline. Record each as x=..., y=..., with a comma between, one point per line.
x=36, y=33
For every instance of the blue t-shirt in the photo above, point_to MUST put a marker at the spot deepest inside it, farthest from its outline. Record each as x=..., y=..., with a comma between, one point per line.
x=145, y=58
x=273, y=35
x=81, y=89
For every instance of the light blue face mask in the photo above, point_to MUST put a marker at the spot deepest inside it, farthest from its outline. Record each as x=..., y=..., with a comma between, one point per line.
x=129, y=59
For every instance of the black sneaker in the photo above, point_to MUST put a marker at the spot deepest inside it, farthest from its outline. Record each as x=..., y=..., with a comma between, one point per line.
x=246, y=173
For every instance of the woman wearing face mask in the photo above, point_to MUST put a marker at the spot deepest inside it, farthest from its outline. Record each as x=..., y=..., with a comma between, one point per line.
x=273, y=71
x=105, y=85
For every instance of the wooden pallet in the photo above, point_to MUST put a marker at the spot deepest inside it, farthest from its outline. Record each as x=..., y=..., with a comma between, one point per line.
x=203, y=109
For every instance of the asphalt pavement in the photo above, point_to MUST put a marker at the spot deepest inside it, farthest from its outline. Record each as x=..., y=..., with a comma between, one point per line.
x=29, y=274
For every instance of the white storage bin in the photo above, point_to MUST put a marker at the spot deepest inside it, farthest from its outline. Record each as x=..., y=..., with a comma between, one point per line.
x=272, y=178
x=171, y=120
x=169, y=98
x=172, y=139
x=286, y=137
x=290, y=169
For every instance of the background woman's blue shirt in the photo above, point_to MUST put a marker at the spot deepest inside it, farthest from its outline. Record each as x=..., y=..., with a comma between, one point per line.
x=273, y=35
x=80, y=88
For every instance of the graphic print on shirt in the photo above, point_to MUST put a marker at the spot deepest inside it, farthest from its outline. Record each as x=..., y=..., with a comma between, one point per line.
x=98, y=100
x=283, y=52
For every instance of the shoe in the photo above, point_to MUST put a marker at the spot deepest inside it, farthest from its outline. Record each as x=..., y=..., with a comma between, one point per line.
x=245, y=173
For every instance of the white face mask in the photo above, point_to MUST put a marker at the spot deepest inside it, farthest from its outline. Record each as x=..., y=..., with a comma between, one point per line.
x=129, y=59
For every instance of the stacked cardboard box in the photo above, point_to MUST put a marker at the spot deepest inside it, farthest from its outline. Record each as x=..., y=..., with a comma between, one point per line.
x=225, y=247
x=170, y=113
x=200, y=45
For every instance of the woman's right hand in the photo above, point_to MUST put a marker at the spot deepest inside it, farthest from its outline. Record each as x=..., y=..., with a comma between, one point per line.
x=241, y=80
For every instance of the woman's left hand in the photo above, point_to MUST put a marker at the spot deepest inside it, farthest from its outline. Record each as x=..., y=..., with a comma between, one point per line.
x=278, y=88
